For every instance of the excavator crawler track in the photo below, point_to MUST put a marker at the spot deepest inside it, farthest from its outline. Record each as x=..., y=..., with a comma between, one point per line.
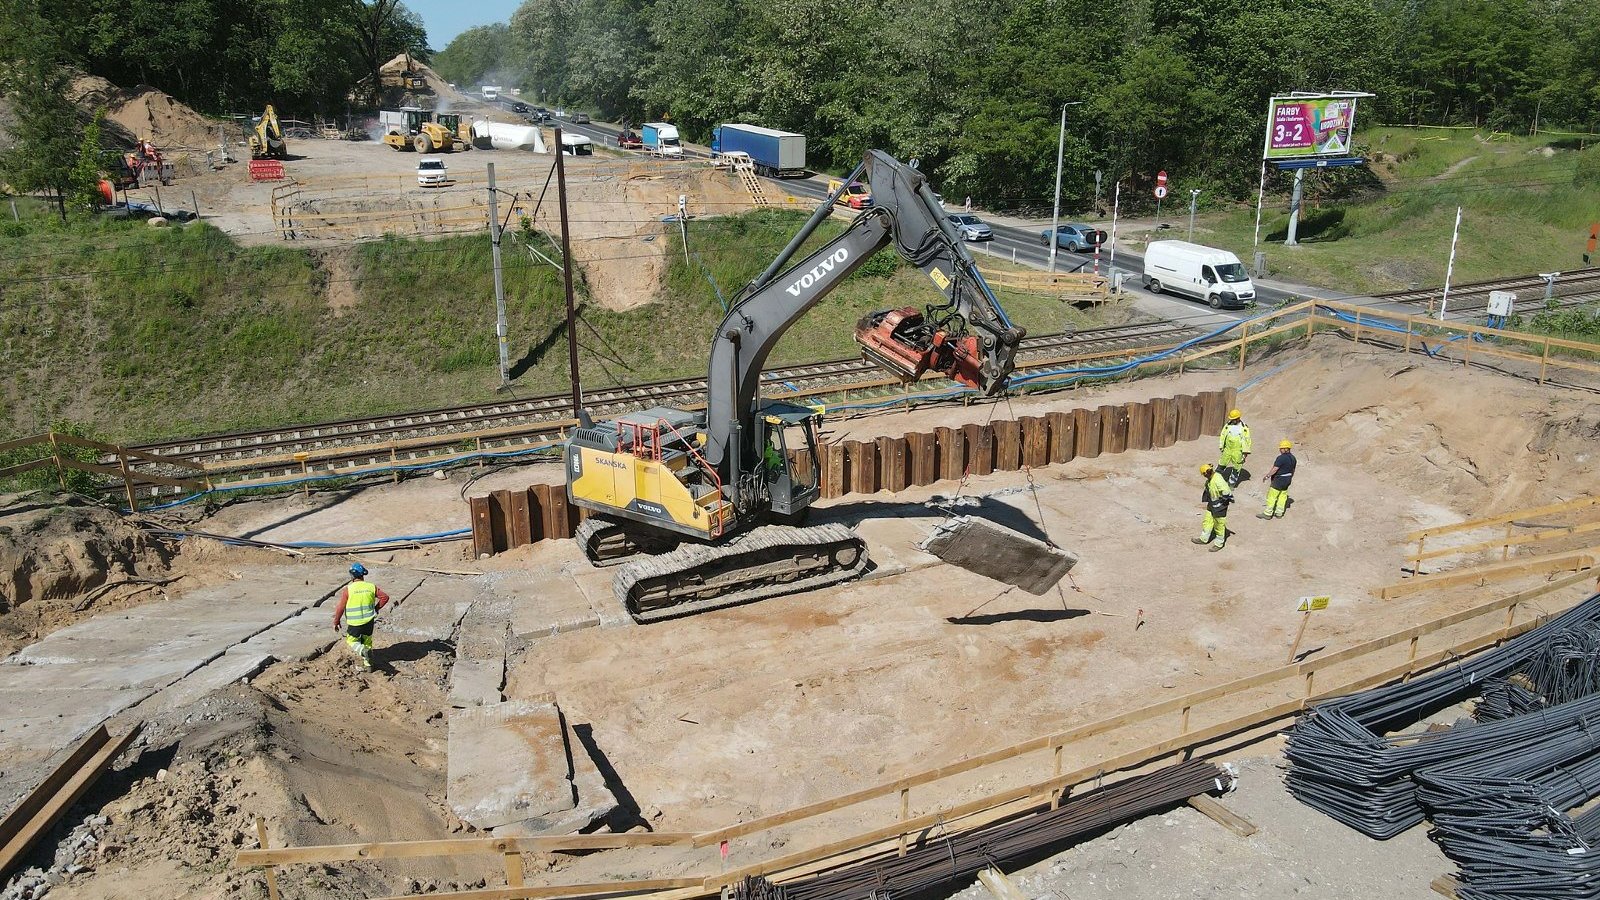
x=608, y=542
x=764, y=562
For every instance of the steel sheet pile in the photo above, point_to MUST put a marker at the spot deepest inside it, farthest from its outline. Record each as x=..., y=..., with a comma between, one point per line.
x=1509, y=794
x=939, y=859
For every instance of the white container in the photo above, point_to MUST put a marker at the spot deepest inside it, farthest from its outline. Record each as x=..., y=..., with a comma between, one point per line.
x=500, y=136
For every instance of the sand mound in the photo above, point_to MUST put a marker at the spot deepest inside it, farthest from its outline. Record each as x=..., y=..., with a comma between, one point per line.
x=145, y=113
x=395, y=94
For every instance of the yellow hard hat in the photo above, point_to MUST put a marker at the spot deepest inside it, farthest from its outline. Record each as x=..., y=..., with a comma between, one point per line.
x=1205, y=468
x=1285, y=445
x=1234, y=414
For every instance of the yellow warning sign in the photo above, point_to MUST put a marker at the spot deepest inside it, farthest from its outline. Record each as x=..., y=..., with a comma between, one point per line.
x=1311, y=604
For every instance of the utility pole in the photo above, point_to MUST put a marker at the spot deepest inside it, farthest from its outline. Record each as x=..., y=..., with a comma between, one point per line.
x=1194, y=195
x=1055, y=214
x=566, y=278
x=1116, y=207
x=499, y=283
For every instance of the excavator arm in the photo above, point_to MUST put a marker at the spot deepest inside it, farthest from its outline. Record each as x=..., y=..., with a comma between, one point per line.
x=966, y=336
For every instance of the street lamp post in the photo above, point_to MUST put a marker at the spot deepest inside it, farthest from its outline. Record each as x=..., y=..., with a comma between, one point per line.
x=1055, y=213
x=1194, y=195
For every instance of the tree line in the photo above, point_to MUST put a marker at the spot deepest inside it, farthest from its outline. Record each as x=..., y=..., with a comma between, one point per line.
x=974, y=88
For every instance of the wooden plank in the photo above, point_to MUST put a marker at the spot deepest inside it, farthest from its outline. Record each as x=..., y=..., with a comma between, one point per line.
x=558, y=514
x=144, y=479
x=1566, y=561
x=1138, y=425
x=999, y=886
x=1188, y=416
x=521, y=518
x=24, y=442
x=482, y=527
x=835, y=471
x=20, y=468
x=1035, y=441
x=1222, y=815
x=35, y=815
x=1552, y=532
x=1063, y=437
x=1532, y=512
x=1007, y=445
x=863, y=466
x=1163, y=422
x=1445, y=885
x=332, y=853
x=980, y=448
x=923, y=450
x=952, y=453
x=893, y=474
x=116, y=450
x=539, y=510
x=1087, y=424
x=1113, y=429
x=596, y=889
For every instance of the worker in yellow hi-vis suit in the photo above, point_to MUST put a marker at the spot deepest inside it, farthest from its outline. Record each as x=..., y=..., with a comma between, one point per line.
x=1233, y=445
x=359, y=602
x=1278, y=480
x=1214, y=498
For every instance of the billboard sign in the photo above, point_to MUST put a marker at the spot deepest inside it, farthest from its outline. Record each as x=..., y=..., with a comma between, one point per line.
x=1309, y=126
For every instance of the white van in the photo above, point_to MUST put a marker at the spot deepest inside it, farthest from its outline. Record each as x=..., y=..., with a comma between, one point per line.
x=1204, y=273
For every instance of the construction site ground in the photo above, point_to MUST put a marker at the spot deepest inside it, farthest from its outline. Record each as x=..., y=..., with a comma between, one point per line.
x=716, y=718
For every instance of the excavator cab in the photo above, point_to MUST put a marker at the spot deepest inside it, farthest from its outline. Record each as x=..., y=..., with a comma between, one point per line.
x=789, y=462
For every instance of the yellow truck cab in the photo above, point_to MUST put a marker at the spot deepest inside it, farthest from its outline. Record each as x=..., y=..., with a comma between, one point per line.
x=857, y=196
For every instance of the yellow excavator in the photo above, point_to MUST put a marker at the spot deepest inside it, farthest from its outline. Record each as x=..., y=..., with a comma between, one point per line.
x=704, y=509
x=266, y=140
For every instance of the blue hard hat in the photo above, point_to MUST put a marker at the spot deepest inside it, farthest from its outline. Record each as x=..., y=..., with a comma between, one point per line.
x=358, y=570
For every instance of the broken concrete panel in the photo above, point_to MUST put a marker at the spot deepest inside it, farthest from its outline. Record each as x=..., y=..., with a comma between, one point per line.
x=997, y=552
x=508, y=763
x=477, y=682
x=213, y=676
x=295, y=640
x=595, y=801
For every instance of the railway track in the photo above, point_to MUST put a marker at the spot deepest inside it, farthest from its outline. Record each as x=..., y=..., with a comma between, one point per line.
x=1566, y=289
x=518, y=420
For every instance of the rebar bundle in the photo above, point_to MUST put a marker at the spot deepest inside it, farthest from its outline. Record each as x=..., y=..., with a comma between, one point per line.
x=1345, y=762
x=938, y=859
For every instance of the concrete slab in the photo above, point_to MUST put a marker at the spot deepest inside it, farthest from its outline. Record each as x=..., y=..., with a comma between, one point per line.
x=293, y=640
x=508, y=763
x=214, y=676
x=595, y=584
x=595, y=801
x=998, y=552
x=477, y=682
x=434, y=610
x=548, y=602
x=38, y=723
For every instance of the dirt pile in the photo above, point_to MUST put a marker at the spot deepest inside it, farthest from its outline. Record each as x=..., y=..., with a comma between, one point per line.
x=60, y=556
x=145, y=112
x=438, y=96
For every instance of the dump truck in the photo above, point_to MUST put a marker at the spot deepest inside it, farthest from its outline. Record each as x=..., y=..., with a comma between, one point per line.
x=780, y=154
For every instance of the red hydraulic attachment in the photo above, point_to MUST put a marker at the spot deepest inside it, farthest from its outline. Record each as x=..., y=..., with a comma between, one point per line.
x=901, y=341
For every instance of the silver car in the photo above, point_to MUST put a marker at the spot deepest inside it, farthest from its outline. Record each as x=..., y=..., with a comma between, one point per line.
x=970, y=227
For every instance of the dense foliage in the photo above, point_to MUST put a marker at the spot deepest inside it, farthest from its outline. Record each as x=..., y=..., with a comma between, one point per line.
x=231, y=55
x=974, y=87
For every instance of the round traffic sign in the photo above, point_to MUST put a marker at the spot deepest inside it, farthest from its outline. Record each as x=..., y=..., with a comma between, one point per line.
x=1161, y=192
x=1161, y=177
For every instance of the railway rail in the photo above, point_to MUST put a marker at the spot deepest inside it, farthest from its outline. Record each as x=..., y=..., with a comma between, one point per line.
x=1566, y=289
x=518, y=420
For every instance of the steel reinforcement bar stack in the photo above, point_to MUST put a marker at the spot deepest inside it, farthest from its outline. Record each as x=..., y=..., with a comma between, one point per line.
x=1345, y=762
x=939, y=859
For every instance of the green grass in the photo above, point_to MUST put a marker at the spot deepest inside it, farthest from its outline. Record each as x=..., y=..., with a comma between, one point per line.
x=1525, y=209
x=141, y=333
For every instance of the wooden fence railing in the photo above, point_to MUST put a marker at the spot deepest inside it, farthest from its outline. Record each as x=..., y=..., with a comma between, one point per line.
x=123, y=469
x=1078, y=286
x=506, y=519
x=1150, y=734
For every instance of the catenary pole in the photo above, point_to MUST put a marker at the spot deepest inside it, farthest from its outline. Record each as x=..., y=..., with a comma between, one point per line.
x=566, y=279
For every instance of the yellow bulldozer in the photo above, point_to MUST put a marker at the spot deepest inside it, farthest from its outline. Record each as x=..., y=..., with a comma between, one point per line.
x=411, y=128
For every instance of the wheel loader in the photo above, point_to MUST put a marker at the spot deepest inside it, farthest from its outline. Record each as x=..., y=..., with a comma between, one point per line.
x=411, y=128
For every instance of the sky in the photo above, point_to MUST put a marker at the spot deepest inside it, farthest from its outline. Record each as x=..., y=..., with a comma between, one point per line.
x=447, y=18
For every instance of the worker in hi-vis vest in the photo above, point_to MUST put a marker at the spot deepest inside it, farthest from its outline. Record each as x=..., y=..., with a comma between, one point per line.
x=359, y=602
x=1214, y=497
x=1278, y=480
x=1233, y=445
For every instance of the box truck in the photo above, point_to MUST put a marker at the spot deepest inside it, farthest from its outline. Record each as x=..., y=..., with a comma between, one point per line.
x=774, y=153
x=1204, y=273
x=661, y=139
x=576, y=145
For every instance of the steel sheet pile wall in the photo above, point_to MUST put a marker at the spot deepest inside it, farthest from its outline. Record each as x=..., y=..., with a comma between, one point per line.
x=939, y=860
x=1501, y=791
x=506, y=519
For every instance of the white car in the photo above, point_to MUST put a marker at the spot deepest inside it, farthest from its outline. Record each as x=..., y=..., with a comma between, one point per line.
x=431, y=172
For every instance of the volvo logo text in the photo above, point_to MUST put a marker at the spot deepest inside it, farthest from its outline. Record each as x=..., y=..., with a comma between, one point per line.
x=822, y=268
